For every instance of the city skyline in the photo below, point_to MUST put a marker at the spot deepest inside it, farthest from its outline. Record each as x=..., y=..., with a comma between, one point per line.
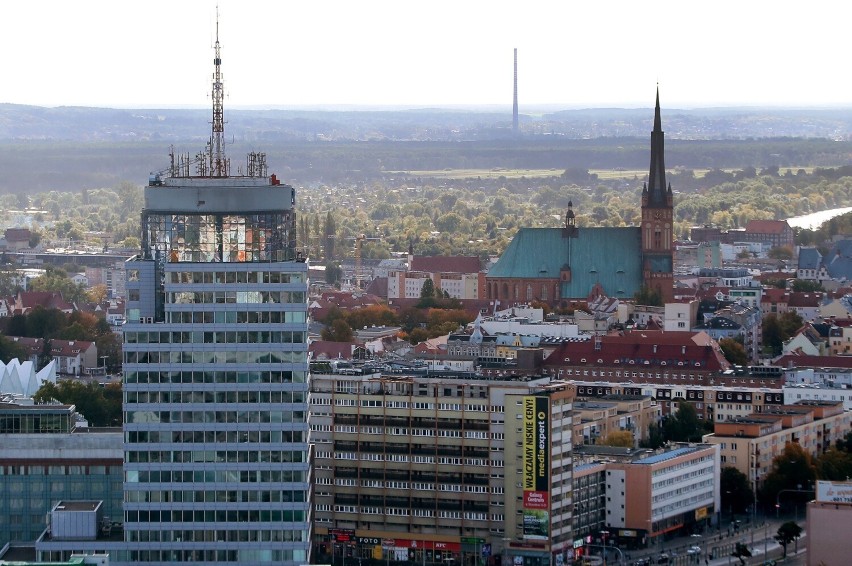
x=380, y=53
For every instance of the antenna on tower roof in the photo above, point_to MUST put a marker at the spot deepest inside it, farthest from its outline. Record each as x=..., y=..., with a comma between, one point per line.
x=218, y=162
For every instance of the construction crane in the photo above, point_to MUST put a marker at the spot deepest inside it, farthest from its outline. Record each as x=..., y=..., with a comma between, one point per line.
x=359, y=240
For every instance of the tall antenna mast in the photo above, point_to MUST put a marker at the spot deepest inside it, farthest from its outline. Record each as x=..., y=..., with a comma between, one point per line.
x=218, y=167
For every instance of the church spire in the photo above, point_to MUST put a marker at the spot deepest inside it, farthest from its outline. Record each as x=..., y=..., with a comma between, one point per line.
x=657, y=192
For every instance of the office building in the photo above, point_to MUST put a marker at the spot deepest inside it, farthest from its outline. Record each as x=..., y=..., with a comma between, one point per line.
x=441, y=467
x=650, y=493
x=215, y=367
x=44, y=457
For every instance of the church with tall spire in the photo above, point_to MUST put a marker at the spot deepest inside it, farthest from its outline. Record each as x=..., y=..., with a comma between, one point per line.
x=570, y=263
x=657, y=217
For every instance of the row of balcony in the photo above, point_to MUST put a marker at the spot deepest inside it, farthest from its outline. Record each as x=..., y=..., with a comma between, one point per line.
x=411, y=503
x=410, y=476
x=412, y=422
x=415, y=449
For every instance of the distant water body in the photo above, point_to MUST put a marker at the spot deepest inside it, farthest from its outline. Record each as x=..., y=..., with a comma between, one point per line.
x=815, y=220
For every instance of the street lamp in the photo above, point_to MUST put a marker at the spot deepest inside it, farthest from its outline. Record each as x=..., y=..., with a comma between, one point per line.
x=778, y=498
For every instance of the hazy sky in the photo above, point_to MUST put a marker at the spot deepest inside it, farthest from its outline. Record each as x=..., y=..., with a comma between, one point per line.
x=586, y=53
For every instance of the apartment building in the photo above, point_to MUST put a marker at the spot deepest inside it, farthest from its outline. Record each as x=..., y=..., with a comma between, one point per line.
x=595, y=418
x=750, y=443
x=441, y=468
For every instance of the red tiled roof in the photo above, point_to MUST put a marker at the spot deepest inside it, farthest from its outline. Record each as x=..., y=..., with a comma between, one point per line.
x=325, y=350
x=775, y=275
x=774, y=295
x=655, y=347
x=17, y=234
x=801, y=299
x=62, y=348
x=766, y=226
x=378, y=287
x=48, y=299
x=710, y=292
x=446, y=264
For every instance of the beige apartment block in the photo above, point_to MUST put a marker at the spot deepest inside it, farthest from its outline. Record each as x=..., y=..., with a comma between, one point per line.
x=597, y=418
x=750, y=443
x=441, y=468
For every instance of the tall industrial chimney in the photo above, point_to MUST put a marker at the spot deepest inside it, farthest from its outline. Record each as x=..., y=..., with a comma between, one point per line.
x=515, y=97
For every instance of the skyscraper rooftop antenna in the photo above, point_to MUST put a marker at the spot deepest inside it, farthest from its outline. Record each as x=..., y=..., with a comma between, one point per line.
x=218, y=163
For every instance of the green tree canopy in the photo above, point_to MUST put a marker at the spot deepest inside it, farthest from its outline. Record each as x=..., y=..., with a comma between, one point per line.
x=793, y=469
x=684, y=425
x=787, y=533
x=9, y=350
x=89, y=399
x=733, y=351
x=621, y=438
x=735, y=490
x=337, y=331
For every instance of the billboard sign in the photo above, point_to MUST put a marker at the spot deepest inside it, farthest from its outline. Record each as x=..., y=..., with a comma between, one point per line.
x=834, y=492
x=536, y=467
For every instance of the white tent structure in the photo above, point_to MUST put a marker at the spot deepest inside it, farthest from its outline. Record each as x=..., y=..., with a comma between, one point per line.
x=21, y=380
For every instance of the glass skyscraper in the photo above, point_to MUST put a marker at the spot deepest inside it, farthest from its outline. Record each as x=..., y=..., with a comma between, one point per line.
x=216, y=454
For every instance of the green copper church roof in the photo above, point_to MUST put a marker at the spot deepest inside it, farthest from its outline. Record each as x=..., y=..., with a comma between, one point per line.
x=611, y=257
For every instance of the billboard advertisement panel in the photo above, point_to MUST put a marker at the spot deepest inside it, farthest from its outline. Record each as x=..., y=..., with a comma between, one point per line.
x=536, y=467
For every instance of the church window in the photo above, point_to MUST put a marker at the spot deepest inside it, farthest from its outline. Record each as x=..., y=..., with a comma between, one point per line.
x=517, y=292
x=658, y=238
x=544, y=292
x=529, y=293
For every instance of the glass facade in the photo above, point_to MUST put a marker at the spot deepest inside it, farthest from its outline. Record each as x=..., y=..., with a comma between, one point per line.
x=215, y=384
x=219, y=237
x=29, y=490
x=19, y=420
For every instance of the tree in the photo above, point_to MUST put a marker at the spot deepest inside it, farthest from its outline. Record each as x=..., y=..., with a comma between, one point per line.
x=834, y=465
x=330, y=231
x=733, y=351
x=88, y=398
x=845, y=443
x=684, y=425
x=427, y=291
x=780, y=252
x=45, y=323
x=648, y=297
x=742, y=552
x=338, y=331
x=9, y=350
x=333, y=273
x=97, y=294
x=787, y=533
x=622, y=438
x=793, y=469
x=655, y=438
x=772, y=335
x=791, y=322
x=778, y=329
x=373, y=315
x=735, y=490
x=806, y=286
x=45, y=356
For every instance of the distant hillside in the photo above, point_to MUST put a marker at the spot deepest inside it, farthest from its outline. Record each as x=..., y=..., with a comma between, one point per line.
x=43, y=149
x=18, y=122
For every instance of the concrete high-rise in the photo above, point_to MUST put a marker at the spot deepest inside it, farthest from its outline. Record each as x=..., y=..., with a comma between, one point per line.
x=215, y=367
